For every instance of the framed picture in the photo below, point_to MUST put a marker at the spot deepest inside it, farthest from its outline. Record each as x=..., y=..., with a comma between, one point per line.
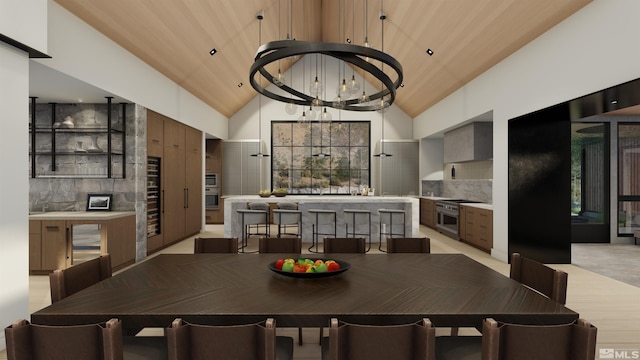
x=99, y=202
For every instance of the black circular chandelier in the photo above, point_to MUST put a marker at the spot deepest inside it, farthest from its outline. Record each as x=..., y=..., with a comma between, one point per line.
x=359, y=56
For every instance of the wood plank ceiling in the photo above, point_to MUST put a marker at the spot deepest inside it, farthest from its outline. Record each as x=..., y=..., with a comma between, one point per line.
x=467, y=37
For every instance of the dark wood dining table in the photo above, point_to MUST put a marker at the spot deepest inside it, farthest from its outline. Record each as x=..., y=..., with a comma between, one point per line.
x=449, y=289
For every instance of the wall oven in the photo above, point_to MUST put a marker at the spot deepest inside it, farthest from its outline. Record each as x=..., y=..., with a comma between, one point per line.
x=211, y=180
x=211, y=197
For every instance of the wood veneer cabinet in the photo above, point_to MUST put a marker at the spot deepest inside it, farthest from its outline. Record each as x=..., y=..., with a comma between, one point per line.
x=180, y=149
x=50, y=242
x=428, y=212
x=476, y=227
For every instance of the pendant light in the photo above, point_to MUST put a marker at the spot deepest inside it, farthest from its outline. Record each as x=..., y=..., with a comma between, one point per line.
x=290, y=108
x=260, y=154
x=383, y=104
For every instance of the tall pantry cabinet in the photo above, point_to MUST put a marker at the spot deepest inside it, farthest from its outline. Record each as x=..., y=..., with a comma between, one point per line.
x=180, y=149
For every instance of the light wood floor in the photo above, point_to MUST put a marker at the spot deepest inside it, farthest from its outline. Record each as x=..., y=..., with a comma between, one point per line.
x=612, y=306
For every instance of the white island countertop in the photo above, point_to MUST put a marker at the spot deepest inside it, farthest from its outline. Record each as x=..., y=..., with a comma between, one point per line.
x=80, y=215
x=410, y=204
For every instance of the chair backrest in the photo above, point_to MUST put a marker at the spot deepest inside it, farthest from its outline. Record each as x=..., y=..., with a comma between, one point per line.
x=187, y=341
x=65, y=282
x=408, y=245
x=575, y=341
x=287, y=205
x=27, y=341
x=263, y=206
x=345, y=245
x=285, y=245
x=399, y=342
x=215, y=245
x=550, y=282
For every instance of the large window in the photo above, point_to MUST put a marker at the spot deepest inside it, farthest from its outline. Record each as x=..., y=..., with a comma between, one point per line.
x=628, y=178
x=320, y=157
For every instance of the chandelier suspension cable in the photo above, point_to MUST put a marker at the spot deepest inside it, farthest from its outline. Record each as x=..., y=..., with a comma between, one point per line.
x=383, y=108
x=259, y=154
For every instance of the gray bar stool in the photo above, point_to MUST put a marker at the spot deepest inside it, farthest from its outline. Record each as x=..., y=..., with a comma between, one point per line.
x=323, y=218
x=387, y=223
x=355, y=217
x=256, y=216
x=287, y=214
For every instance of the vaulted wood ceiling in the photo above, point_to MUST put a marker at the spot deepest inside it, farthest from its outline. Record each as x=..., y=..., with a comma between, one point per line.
x=467, y=37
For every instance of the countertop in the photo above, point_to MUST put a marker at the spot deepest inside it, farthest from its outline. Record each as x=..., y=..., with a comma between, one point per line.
x=79, y=215
x=478, y=205
x=322, y=198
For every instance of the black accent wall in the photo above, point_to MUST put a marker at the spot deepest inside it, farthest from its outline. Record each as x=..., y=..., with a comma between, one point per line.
x=539, y=185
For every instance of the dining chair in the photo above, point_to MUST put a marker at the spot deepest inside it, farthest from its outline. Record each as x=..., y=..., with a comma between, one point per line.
x=356, y=245
x=254, y=221
x=286, y=215
x=285, y=245
x=415, y=341
x=215, y=245
x=503, y=341
x=65, y=282
x=550, y=282
x=187, y=341
x=100, y=341
x=408, y=245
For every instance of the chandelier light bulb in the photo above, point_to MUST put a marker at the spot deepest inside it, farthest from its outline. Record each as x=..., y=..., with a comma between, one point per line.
x=291, y=108
x=382, y=105
x=303, y=117
x=326, y=116
x=343, y=89
x=311, y=115
x=338, y=103
x=316, y=104
x=354, y=85
x=315, y=88
x=364, y=98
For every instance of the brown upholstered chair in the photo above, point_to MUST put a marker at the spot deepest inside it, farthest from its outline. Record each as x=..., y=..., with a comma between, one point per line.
x=501, y=341
x=101, y=341
x=285, y=245
x=356, y=245
x=399, y=342
x=215, y=245
x=409, y=245
x=239, y=342
x=65, y=282
x=550, y=282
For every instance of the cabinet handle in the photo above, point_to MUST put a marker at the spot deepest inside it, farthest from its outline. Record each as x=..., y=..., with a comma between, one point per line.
x=155, y=141
x=186, y=198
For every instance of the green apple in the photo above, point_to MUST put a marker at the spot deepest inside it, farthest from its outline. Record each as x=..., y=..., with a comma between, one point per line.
x=321, y=268
x=287, y=266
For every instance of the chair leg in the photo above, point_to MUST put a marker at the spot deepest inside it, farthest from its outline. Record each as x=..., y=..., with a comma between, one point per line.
x=300, y=336
x=321, y=334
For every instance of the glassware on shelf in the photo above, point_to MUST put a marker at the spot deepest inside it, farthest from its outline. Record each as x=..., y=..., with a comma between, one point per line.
x=67, y=123
x=94, y=148
x=79, y=148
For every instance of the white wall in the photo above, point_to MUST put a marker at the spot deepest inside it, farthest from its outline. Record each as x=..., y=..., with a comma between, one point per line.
x=244, y=123
x=594, y=49
x=82, y=52
x=14, y=186
x=25, y=21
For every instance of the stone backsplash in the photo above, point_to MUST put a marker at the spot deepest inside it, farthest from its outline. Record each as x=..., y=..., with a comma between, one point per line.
x=470, y=189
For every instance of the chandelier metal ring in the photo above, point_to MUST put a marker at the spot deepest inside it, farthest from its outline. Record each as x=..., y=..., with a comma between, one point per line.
x=353, y=54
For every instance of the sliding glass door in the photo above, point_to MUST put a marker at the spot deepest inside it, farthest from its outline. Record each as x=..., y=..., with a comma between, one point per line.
x=628, y=178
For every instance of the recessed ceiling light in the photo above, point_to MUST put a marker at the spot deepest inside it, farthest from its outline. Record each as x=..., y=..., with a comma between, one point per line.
x=240, y=85
x=614, y=102
x=429, y=52
x=213, y=51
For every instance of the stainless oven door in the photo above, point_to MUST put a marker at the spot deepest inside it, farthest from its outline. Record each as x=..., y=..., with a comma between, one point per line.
x=447, y=220
x=211, y=198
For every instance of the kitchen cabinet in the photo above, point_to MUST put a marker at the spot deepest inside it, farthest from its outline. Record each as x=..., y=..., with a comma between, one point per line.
x=179, y=148
x=82, y=146
x=476, y=227
x=241, y=172
x=213, y=165
x=399, y=173
x=428, y=212
x=51, y=242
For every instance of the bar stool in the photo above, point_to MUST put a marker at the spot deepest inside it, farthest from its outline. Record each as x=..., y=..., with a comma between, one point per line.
x=287, y=214
x=256, y=216
x=323, y=218
x=390, y=214
x=351, y=217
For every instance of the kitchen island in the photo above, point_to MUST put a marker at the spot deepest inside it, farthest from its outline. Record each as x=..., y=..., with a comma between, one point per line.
x=233, y=226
